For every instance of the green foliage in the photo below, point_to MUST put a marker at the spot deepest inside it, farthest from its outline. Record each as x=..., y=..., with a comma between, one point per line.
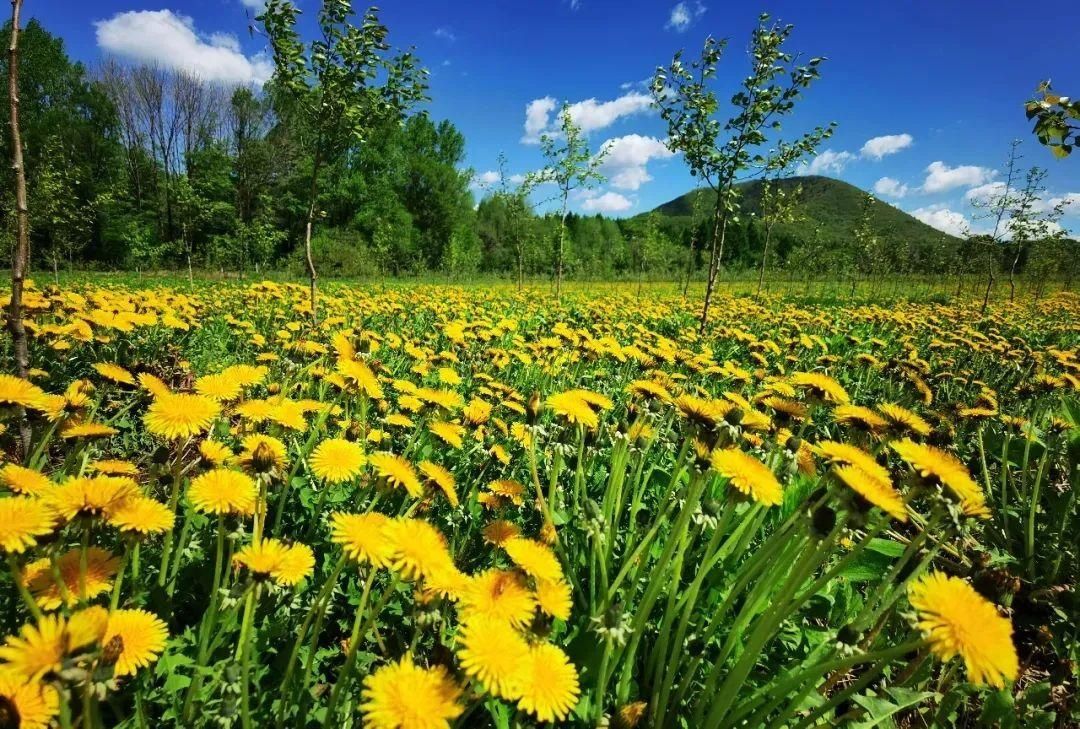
x=1055, y=118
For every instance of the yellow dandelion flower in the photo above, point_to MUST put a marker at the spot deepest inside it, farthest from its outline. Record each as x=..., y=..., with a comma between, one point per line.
x=337, y=460
x=859, y=417
x=153, y=385
x=903, y=420
x=23, y=705
x=534, y=558
x=223, y=491
x=450, y=433
x=553, y=597
x=572, y=406
x=508, y=489
x=215, y=453
x=101, y=567
x=39, y=650
x=499, y=531
x=142, y=515
x=547, y=683
x=362, y=376
x=361, y=537
x=398, y=472
x=403, y=695
x=24, y=480
x=748, y=475
x=262, y=453
x=441, y=478
x=22, y=521
x=420, y=549
x=499, y=595
x=87, y=430
x=821, y=387
x=116, y=373
x=113, y=467
x=19, y=392
x=945, y=468
x=176, y=416
x=846, y=454
x=878, y=493
x=219, y=388
x=285, y=564
x=958, y=621
x=491, y=651
x=140, y=637
x=90, y=496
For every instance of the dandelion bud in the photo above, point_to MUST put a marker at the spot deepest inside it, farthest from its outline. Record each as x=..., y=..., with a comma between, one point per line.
x=533, y=408
x=823, y=521
x=273, y=388
x=613, y=615
x=629, y=716
x=710, y=506
x=793, y=444
x=262, y=458
x=734, y=416
x=111, y=651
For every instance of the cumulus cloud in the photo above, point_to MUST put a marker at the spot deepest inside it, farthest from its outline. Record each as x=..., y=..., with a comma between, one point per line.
x=485, y=179
x=537, y=115
x=163, y=38
x=447, y=34
x=883, y=146
x=683, y=14
x=827, y=161
x=609, y=202
x=626, y=159
x=589, y=114
x=943, y=218
x=258, y=5
x=889, y=187
x=940, y=177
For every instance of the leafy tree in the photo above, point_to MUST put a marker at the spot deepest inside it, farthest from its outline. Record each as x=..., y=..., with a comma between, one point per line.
x=778, y=207
x=718, y=152
x=1056, y=120
x=647, y=245
x=339, y=88
x=570, y=166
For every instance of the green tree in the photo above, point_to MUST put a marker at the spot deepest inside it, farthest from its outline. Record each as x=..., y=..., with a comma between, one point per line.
x=339, y=88
x=718, y=152
x=570, y=166
x=1056, y=119
x=778, y=207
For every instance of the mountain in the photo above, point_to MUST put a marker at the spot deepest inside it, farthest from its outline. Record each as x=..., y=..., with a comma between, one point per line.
x=832, y=206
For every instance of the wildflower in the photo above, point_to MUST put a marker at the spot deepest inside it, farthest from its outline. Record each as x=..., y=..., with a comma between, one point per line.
x=859, y=417
x=337, y=460
x=115, y=372
x=547, y=683
x=420, y=549
x=821, y=387
x=398, y=472
x=499, y=531
x=442, y=479
x=90, y=496
x=748, y=475
x=959, y=621
x=361, y=536
x=877, y=493
x=142, y=515
x=215, y=453
x=362, y=376
x=22, y=521
x=39, y=650
x=273, y=559
x=492, y=651
x=223, y=491
x=499, y=595
x=262, y=454
x=220, y=387
x=553, y=598
x=450, y=433
x=903, y=420
x=19, y=392
x=846, y=454
x=534, y=558
x=508, y=489
x=112, y=467
x=24, y=480
x=934, y=463
x=101, y=567
x=140, y=637
x=177, y=416
x=87, y=430
x=575, y=408
x=23, y=705
x=403, y=695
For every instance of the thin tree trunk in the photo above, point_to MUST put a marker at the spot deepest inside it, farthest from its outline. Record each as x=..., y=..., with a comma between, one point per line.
x=20, y=261
x=717, y=250
x=690, y=262
x=312, y=275
x=764, y=258
x=559, y=252
x=1012, y=274
x=989, y=281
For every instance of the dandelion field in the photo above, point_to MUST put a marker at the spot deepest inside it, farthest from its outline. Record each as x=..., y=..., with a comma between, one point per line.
x=478, y=508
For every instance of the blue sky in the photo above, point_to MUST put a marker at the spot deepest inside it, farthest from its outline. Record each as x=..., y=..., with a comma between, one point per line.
x=927, y=94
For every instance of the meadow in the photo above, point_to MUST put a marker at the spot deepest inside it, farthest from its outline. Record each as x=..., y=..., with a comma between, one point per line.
x=477, y=507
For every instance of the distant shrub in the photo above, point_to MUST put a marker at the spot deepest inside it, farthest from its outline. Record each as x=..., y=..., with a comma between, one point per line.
x=338, y=254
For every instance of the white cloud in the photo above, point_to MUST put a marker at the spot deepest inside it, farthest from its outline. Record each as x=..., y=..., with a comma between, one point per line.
x=879, y=147
x=589, y=114
x=627, y=157
x=683, y=14
x=985, y=193
x=172, y=41
x=258, y=5
x=447, y=34
x=941, y=177
x=889, y=187
x=485, y=179
x=609, y=202
x=943, y=218
x=537, y=114
x=1070, y=202
x=827, y=161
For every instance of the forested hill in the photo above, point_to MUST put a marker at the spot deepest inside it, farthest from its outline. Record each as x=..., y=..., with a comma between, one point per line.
x=834, y=205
